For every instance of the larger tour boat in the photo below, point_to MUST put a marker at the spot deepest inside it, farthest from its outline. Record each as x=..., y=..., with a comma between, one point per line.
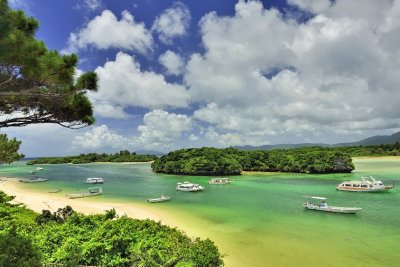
x=188, y=187
x=366, y=184
x=220, y=181
x=94, y=180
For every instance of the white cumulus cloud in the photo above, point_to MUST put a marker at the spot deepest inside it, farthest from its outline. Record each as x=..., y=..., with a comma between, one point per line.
x=161, y=128
x=172, y=62
x=100, y=137
x=122, y=83
x=173, y=22
x=106, y=31
x=264, y=77
x=314, y=6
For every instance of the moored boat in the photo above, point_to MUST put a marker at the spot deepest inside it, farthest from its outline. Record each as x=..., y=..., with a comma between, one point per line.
x=189, y=187
x=159, y=199
x=37, y=180
x=55, y=190
x=93, y=191
x=94, y=180
x=366, y=184
x=311, y=204
x=39, y=169
x=220, y=181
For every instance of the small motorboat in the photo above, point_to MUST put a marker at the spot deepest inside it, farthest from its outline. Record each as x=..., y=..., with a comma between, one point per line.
x=55, y=190
x=33, y=180
x=93, y=191
x=312, y=204
x=159, y=199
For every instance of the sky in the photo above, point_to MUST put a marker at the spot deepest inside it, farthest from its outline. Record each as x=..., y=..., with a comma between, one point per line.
x=179, y=74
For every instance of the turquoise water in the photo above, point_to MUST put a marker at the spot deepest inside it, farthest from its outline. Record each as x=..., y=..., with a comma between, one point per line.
x=258, y=219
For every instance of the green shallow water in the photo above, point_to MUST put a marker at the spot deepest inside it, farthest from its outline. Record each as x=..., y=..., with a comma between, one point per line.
x=258, y=220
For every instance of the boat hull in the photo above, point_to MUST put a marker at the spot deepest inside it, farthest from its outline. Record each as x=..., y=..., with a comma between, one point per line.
x=160, y=199
x=190, y=189
x=334, y=209
x=81, y=195
x=351, y=189
x=39, y=180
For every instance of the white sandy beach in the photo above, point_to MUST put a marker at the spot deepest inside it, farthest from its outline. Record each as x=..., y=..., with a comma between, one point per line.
x=50, y=201
x=38, y=201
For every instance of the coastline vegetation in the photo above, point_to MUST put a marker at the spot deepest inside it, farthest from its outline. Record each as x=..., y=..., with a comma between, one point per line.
x=372, y=151
x=71, y=238
x=122, y=156
x=230, y=161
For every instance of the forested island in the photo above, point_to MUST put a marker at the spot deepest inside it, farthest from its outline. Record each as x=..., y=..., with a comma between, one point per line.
x=230, y=161
x=374, y=151
x=71, y=238
x=122, y=156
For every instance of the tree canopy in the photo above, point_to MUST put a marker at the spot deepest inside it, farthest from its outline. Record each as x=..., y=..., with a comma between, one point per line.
x=36, y=84
x=70, y=238
x=9, y=149
x=230, y=161
x=122, y=156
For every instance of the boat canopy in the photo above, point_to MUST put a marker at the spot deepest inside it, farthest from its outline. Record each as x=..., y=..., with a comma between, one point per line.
x=320, y=198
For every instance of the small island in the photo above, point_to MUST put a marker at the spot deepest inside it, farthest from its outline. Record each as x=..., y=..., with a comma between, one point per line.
x=122, y=156
x=230, y=161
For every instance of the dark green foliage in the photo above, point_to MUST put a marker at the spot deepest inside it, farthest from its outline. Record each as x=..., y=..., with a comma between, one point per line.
x=230, y=161
x=198, y=161
x=95, y=240
x=122, y=156
x=5, y=198
x=377, y=150
x=17, y=250
x=9, y=149
x=110, y=214
x=36, y=82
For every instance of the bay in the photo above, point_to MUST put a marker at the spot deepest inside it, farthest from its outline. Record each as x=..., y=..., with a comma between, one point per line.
x=257, y=220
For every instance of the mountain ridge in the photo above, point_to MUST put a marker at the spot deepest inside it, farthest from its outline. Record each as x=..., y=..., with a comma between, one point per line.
x=369, y=141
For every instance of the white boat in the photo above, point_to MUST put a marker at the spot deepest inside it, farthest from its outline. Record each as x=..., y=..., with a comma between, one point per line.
x=366, y=184
x=159, y=199
x=39, y=169
x=311, y=204
x=220, y=181
x=93, y=191
x=33, y=180
x=188, y=187
x=94, y=180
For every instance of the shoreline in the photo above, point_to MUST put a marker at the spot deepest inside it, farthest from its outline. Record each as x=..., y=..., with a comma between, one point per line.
x=38, y=201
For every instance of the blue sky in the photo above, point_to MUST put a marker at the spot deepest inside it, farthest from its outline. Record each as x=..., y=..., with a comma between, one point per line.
x=221, y=73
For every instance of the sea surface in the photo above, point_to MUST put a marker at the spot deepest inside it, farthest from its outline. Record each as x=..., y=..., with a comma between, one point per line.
x=257, y=220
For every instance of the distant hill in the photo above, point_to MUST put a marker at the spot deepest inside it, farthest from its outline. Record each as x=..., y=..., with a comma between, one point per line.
x=370, y=141
x=375, y=140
